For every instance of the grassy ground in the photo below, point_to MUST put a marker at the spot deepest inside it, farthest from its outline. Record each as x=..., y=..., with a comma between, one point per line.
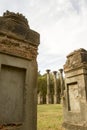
x=49, y=117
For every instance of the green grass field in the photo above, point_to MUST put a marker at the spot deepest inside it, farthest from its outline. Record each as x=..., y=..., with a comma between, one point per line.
x=49, y=117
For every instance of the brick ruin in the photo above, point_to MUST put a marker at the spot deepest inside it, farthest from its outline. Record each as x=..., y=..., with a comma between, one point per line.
x=18, y=73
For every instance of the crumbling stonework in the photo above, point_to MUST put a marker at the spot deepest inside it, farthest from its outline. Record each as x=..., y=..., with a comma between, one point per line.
x=16, y=37
x=75, y=92
x=18, y=73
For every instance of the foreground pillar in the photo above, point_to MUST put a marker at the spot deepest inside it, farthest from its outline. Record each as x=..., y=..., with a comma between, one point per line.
x=75, y=93
x=18, y=73
x=55, y=88
x=48, y=96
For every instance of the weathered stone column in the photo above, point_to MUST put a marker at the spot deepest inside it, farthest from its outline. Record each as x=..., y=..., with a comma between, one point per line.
x=18, y=73
x=48, y=96
x=75, y=93
x=55, y=88
x=58, y=88
x=61, y=81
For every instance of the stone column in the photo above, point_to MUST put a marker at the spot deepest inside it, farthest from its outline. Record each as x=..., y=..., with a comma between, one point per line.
x=48, y=96
x=40, y=98
x=55, y=88
x=61, y=81
x=18, y=73
x=59, y=89
x=75, y=93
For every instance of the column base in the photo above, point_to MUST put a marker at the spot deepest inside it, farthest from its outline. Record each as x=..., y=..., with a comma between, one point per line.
x=70, y=126
x=49, y=99
x=40, y=99
x=56, y=99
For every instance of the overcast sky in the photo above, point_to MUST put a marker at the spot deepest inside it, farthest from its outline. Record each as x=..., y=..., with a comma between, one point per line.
x=62, y=25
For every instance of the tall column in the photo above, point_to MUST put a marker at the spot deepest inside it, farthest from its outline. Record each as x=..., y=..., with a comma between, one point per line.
x=55, y=88
x=61, y=81
x=59, y=89
x=48, y=96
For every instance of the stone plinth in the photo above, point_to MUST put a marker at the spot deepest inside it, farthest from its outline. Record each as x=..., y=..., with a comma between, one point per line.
x=18, y=73
x=75, y=93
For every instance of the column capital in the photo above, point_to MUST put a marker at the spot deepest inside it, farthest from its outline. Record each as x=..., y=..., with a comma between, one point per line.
x=61, y=71
x=48, y=70
x=54, y=72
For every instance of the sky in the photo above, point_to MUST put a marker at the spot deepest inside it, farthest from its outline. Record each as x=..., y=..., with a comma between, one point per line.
x=62, y=25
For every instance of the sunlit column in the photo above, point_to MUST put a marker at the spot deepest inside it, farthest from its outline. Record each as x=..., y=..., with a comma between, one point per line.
x=48, y=96
x=61, y=81
x=55, y=88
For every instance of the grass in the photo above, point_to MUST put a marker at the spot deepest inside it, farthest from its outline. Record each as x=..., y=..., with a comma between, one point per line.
x=49, y=117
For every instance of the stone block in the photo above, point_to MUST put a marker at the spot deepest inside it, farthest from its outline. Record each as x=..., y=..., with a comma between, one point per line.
x=18, y=73
x=75, y=93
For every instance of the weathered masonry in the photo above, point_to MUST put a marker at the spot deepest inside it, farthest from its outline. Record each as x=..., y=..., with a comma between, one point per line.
x=75, y=93
x=18, y=73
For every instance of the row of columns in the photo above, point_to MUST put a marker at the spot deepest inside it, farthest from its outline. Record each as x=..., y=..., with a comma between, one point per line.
x=48, y=97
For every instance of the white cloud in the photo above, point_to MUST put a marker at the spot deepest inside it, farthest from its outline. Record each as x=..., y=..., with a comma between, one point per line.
x=67, y=33
x=62, y=25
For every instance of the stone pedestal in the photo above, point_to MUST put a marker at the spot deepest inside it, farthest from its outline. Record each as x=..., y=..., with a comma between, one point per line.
x=75, y=93
x=18, y=73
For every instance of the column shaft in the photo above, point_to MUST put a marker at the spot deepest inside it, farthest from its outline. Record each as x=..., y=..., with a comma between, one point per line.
x=48, y=96
x=55, y=88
